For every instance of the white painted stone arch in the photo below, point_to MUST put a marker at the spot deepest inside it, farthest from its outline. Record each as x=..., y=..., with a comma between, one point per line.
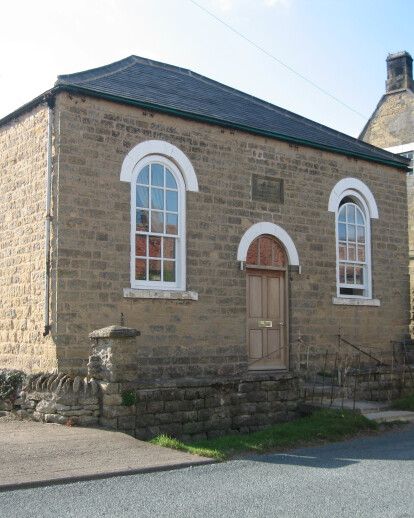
x=273, y=230
x=347, y=186
x=160, y=147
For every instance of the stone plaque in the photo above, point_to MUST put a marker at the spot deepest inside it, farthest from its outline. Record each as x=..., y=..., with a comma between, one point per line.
x=266, y=188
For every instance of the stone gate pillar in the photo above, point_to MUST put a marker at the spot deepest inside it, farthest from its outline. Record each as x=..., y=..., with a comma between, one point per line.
x=114, y=355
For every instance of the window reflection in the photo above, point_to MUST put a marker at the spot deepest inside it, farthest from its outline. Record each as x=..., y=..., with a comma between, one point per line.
x=351, y=251
x=157, y=210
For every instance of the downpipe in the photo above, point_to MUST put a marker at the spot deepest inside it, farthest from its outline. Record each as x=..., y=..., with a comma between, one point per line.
x=48, y=218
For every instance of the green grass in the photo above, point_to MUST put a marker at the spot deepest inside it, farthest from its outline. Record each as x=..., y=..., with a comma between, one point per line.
x=405, y=404
x=322, y=426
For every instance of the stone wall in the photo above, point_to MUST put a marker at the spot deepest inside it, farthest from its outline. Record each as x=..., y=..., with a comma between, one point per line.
x=91, y=243
x=381, y=384
x=56, y=398
x=182, y=408
x=207, y=337
x=23, y=144
x=392, y=121
x=201, y=408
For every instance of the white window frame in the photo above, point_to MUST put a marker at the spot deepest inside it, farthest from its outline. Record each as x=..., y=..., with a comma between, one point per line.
x=358, y=191
x=367, y=286
x=179, y=164
x=180, y=269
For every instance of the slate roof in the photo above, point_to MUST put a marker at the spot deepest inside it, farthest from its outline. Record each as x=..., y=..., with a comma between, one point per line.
x=163, y=86
x=160, y=86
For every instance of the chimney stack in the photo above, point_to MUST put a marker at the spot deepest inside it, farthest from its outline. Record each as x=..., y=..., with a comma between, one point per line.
x=399, y=72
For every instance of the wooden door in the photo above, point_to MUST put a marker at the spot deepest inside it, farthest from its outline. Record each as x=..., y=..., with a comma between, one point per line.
x=266, y=319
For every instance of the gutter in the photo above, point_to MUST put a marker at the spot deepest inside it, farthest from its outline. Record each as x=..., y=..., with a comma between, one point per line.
x=50, y=100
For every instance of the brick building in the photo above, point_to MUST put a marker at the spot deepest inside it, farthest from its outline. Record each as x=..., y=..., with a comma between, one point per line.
x=391, y=127
x=220, y=226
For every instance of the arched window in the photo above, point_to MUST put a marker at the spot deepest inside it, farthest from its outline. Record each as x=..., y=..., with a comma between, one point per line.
x=157, y=224
x=265, y=251
x=353, y=249
x=354, y=206
x=160, y=174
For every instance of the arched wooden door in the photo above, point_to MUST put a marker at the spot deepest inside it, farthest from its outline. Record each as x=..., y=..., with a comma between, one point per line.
x=267, y=303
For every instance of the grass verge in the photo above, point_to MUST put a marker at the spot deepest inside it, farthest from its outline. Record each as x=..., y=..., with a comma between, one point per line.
x=323, y=426
x=405, y=404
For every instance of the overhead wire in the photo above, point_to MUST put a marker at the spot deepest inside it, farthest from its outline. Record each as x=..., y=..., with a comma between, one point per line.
x=277, y=59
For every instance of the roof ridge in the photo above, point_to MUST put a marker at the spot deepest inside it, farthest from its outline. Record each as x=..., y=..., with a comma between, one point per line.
x=96, y=73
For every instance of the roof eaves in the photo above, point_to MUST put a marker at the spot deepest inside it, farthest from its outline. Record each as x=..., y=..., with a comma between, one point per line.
x=26, y=107
x=388, y=158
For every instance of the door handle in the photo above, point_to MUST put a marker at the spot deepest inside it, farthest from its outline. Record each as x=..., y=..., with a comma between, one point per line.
x=281, y=323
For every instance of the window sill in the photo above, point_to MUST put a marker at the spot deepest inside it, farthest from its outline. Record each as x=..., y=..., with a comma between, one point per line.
x=130, y=293
x=343, y=301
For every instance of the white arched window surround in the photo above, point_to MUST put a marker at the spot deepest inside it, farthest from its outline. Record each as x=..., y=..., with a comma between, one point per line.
x=176, y=161
x=362, y=197
x=273, y=230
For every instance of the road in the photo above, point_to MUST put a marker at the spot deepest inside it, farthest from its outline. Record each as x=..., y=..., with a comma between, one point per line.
x=364, y=478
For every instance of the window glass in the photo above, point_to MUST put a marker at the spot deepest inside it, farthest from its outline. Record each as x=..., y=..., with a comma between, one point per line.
x=142, y=220
x=157, y=199
x=170, y=180
x=351, y=249
x=143, y=177
x=157, y=232
x=157, y=175
x=266, y=251
x=142, y=196
x=172, y=201
x=172, y=224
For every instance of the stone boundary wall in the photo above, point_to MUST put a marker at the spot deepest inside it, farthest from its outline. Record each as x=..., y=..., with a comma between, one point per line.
x=188, y=409
x=201, y=408
x=382, y=384
x=182, y=408
x=55, y=398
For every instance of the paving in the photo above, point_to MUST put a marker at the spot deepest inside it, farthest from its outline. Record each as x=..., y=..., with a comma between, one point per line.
x=374, y=410
x=34, y=454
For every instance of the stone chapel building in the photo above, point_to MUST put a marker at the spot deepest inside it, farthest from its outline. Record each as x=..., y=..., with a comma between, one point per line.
x=220, y=226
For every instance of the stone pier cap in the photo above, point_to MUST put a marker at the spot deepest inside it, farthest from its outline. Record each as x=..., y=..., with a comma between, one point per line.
x=114, y=332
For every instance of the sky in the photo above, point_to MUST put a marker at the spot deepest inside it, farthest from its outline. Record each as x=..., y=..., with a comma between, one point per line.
x=338, y=45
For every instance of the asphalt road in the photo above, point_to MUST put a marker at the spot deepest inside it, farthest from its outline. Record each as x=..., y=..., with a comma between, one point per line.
x=367, y=478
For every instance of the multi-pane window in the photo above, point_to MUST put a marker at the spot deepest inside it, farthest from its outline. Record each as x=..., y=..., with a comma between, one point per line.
x=156, y=227
x=265, y=251
x=352, y=242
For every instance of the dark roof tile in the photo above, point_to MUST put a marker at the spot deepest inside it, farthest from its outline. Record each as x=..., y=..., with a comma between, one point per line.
x=165, y=86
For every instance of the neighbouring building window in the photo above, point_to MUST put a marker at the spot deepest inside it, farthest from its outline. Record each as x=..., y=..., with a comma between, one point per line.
x=406, y=150
x=157, y=225
x=410, y=155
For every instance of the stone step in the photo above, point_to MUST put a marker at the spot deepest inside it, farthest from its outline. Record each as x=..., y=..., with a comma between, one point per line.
x=317, y=391
x=391, y=415
x=361, y=407
x=373, y=410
